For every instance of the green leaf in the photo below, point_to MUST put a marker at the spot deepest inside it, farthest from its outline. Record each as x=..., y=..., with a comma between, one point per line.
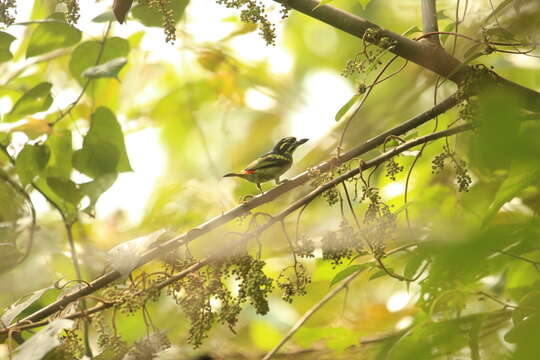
x=364, y=3
x=413, y=265
x=104, y=17
x=441, y=15
x=66, y=189
x=96, y=158
x=94, y=189
x=345, y=273
x=68, y=209
x=520, y=176
x=34, y=100
x=103, y=149
x=5, y=41
x=31, y=161
x=347, y=106
x=49, y=36
x=9, y=257
x=411, y=30
x=448, y=28
x=85, y=55
x=107, y=70
x=379, y=274
x=152, y=17
x=60, y=145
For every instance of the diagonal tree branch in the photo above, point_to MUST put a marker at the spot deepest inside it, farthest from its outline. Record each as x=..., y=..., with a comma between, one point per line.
x=171, y=244
x=240, y=210
x=422, y=53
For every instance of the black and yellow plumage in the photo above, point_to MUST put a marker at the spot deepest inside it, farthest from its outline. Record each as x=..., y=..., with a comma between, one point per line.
x=272, y=165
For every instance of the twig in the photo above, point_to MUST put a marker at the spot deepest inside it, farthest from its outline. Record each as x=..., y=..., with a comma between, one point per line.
x=429, y=19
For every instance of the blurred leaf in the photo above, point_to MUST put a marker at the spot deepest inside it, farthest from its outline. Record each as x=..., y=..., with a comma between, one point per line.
x=34, y=100
x=520, y=176
x=448, y=28
x=68, y=209
x=263, y=335
x=30, y=126
x=60, y=144
x=5, y=41
x=364, y=3
x=121, y=8
x=49, y=36
x=86, y=54
x=103, y=149
x=9, y=253
x=441, y=15
x=148, y=346
x=324, y=2
x=413, y=265
x=150, y=16
x=346, y=272
x=43, y=341
x=104, y=17
x=411, y=30
x=125, y=257
x=346, y=107
x=31, y=161
x=20, y=305
x=336, y=338
x=96, y=158
x=379, y=274
x=94, y=189
x=109, y=69
x=500, y=33
x=66, y=189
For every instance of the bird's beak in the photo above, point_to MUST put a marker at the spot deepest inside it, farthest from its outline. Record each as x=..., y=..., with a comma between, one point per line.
x=301, y=141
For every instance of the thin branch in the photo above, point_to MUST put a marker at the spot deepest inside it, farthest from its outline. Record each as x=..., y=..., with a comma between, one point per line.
x=312, y=311
x=343, y=285
x=429, y=19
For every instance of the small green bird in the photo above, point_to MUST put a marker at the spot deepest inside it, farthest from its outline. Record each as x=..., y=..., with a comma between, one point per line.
x=272, y=165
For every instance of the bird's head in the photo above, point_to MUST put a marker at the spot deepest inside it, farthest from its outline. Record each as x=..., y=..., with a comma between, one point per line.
x=286, y=146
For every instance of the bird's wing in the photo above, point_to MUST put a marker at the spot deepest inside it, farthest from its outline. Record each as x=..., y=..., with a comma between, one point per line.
x=268, y=161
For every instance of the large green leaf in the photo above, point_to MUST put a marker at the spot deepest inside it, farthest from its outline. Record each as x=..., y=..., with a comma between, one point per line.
x=103, y=151
x=49, y=36
x=85, y=55
x=34, y=100
x=31, y=161
x=96, y=158
x=61, y=151
x=520, y=176
x=66, y=189
x=5, y=41
x=152, y=17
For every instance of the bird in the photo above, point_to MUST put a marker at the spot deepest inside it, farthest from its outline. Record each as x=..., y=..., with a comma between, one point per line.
x=272, y=165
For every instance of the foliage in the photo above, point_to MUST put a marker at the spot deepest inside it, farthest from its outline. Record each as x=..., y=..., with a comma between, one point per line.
x=410, y=239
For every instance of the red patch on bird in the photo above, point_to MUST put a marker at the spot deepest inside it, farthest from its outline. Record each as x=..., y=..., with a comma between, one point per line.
x=248, y=172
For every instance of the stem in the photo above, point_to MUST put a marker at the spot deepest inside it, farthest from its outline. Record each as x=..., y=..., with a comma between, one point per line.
x=429, y=19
